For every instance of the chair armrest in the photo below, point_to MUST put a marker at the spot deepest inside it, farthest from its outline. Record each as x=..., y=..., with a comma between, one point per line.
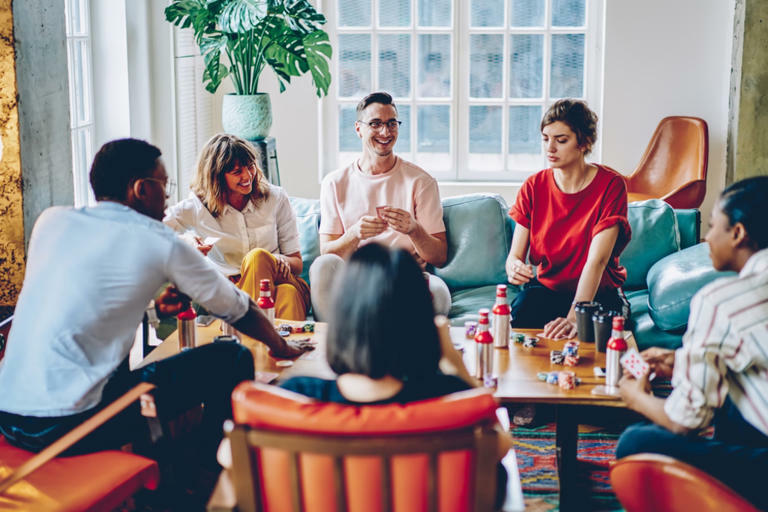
x=223, y=498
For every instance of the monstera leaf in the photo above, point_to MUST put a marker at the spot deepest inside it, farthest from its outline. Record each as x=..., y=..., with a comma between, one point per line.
x=284, y=34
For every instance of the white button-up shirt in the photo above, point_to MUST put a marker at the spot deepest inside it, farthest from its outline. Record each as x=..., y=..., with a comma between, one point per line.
x=725, y=350
x=90, y=274
x=270, y=225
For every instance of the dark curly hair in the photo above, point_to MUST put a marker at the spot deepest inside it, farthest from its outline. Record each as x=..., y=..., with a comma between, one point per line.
x=744, y=202
x=118, y=164
x=579, y=118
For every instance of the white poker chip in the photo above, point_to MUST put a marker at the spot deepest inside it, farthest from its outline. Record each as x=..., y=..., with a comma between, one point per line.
x=284, y=362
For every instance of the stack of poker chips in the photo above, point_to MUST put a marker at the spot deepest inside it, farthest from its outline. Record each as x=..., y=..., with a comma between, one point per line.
x=470, y=329
x=566, y=380
x=519, y=338
x=554, y=378
x=571, y=353
x=556, y=357
x=530, y=341
x=285, y=330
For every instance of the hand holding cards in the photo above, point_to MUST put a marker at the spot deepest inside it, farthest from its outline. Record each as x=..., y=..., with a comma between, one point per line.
x=634, y=363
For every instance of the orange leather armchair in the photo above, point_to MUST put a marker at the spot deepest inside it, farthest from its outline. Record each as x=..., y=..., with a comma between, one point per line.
x=96, y=481
x=674, y=165
x=293, y=453
x=653, y=482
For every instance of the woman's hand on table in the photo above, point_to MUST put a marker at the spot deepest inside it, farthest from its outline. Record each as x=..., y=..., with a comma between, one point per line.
x=560, y=328
x=518, y=272
x=292, y=348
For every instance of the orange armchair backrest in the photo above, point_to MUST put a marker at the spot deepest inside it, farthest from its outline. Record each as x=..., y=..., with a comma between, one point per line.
x=649, y=481
x=674, y=165
x=420, y=456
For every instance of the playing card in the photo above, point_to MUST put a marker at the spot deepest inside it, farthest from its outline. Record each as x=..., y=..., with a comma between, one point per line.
x=379, y=209
x=210, y=240
x=266, y=377
x=634, y=363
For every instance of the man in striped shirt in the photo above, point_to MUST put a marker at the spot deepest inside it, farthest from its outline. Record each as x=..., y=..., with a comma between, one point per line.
x=720, y=375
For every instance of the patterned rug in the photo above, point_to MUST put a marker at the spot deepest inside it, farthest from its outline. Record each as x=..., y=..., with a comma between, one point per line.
x=535, y=450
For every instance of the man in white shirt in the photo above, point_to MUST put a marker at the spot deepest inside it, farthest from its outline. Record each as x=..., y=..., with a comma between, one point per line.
x=90, y=274
x=720, y=375
x=379, y=198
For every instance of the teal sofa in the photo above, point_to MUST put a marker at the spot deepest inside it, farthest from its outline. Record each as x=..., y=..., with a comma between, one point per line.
x=665, y=263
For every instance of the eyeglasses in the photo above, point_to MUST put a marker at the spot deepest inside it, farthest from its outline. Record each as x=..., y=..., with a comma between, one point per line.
x=392, y=124
x=168, y=185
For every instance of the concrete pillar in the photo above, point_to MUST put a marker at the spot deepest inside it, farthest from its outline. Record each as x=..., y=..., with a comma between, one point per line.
x=747, y=148
x=43, y=88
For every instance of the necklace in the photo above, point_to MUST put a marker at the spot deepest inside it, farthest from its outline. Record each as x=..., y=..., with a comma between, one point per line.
x=582, y=184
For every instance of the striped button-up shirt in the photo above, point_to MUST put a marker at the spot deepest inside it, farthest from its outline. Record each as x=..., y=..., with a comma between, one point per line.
x=725, y=350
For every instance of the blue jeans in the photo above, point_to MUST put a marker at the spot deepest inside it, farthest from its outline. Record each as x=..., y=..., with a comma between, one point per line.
x=737, y=455
x=205, y=374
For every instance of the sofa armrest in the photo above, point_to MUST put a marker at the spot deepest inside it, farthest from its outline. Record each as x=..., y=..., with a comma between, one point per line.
x=672, y=282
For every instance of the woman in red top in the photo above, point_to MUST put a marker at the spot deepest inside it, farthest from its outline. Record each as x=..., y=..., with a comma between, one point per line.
x=571, y=221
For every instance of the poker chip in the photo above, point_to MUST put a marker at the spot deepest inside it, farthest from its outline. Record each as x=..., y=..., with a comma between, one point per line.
x=553, y=378
x=566, y=380
x=284, y=363
x=530, y=341
x=519, y=338
x=556, y=357
x=284, y=332
x=571, y=360
x=470, y=329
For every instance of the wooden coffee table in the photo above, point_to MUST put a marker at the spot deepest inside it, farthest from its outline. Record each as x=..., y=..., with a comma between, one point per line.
x=517, y=368
x=310, y=363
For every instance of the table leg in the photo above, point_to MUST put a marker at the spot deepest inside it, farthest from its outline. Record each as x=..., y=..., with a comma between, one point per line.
x=566, y=448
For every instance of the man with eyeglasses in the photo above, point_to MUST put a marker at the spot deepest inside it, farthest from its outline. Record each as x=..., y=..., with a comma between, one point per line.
x=378, y=198
x=90, y=274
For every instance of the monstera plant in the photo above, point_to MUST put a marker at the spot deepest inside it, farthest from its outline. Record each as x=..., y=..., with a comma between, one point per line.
x=240, y=38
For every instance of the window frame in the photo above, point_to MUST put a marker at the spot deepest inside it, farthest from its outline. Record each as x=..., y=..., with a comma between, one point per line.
x=81, y=130
x=460, y=172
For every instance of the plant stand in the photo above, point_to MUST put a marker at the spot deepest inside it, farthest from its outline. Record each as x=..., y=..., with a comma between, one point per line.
x=266, y=150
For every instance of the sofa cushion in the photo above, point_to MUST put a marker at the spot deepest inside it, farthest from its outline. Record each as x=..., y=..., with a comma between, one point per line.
x=689, y=225
x=467, y=302
x=654, y=235
x=673, y=281
x=479, y=233
x=647, y=334
x=308, y=222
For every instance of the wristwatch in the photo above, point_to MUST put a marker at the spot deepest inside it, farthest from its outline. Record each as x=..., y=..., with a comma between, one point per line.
x=151, y=313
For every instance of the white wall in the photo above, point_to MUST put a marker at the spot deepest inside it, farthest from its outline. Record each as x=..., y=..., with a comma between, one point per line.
x=661, y=58
x=666, y=58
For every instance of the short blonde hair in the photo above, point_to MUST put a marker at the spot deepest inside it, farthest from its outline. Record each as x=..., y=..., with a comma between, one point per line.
x=219, y=156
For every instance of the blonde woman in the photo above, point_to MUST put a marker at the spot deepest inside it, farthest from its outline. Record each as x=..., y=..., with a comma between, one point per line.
x=244, y=224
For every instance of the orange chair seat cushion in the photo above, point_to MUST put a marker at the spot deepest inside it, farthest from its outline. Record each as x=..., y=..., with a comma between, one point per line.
x=269, y=407
x=96, y=481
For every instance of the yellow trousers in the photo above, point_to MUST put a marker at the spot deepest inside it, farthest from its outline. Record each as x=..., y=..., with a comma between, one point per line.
x=291, y=295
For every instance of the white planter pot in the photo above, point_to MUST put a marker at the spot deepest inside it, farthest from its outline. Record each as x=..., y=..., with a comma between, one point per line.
x=247, y=116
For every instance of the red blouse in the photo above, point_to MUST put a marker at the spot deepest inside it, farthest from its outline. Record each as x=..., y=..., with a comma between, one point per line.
x=562, y=226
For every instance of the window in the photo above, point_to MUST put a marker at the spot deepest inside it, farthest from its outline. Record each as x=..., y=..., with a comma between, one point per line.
x=471, y=78
x=78, y=28
x=194, y=108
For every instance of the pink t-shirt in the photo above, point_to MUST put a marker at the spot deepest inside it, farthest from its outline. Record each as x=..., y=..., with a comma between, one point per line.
x=348, y=194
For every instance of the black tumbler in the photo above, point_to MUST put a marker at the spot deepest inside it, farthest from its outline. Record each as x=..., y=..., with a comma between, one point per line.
x=602, y=323
x=584, y=311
